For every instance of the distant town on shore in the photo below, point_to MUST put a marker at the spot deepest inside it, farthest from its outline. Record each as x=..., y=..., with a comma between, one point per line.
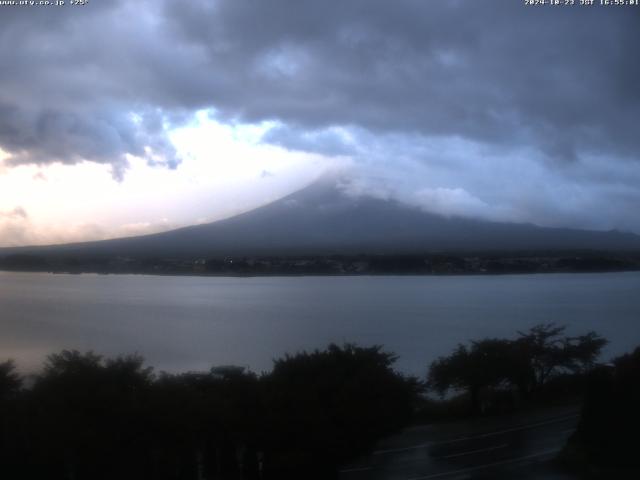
x=418, y=264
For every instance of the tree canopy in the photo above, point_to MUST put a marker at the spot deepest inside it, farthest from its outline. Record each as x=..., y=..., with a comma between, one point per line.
x=91, y=417
x=349, y=396
x=10, y=380
x=525, y=363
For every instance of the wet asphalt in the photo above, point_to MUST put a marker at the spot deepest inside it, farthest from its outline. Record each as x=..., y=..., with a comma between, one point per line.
x=518, y=446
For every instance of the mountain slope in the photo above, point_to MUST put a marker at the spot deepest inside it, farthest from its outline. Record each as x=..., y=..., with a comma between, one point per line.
x=320, y=220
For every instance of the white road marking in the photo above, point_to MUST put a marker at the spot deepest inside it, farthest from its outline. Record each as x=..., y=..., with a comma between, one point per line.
x=358, y=469
x=472, y=437
x=487, y=465
x=508, y=430
x=479, y=450
x=402, y=449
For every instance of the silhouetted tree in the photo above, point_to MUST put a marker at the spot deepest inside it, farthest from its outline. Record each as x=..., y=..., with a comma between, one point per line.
x=326, y=406
x=206, y=421
x=91, y=416
x=526, y=363
x=609, y=426
x=10, y=385
x=548, y=353
x=10, y=380
x=486, y=363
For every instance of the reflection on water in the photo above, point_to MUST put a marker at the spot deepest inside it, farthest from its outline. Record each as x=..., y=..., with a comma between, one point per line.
x=188, y=323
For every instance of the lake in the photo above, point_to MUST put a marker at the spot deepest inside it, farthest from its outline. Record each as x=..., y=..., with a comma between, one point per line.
x=192, y=323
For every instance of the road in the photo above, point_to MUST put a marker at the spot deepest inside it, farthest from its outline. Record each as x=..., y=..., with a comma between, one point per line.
x=515, y=446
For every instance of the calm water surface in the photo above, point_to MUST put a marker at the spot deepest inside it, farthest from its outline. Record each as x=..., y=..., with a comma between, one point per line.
x=190, y=323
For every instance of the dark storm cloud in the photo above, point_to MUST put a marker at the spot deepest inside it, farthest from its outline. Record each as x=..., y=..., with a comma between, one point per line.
x=563, y=78
x=485, y=109
x=74, y=88
x=438, y=101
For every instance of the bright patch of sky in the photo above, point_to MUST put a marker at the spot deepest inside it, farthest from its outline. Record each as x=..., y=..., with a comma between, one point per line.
x=224, y=170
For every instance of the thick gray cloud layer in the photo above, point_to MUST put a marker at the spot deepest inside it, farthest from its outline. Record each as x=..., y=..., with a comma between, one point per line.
x=494, y=71
x=490, y=109
x=75, y=86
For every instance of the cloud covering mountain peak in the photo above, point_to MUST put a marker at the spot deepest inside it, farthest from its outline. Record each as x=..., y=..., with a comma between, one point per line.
x=490, y=109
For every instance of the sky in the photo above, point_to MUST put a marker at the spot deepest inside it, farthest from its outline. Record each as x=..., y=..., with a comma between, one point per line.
x=121, y=118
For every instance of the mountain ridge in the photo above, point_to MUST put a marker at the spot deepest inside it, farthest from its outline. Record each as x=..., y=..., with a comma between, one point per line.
x=321, y=220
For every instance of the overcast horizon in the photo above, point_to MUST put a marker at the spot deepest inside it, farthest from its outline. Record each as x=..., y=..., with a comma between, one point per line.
x=122, y=118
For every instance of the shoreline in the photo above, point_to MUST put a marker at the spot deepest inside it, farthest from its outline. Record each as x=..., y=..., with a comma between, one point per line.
x=339, y=275
x=432, y=264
